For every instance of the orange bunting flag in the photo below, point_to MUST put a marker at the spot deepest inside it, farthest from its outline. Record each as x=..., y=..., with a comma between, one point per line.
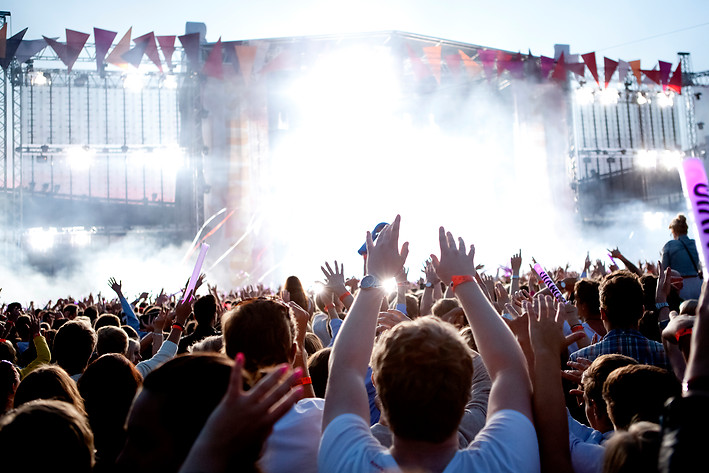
x=433, y=55
x=635, y=66
x=471, y=66
x=115, y=57
x=246, y=55
x=213, y=66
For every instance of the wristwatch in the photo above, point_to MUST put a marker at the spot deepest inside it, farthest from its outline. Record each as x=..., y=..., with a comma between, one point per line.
x=369, y=282
x=429, y=284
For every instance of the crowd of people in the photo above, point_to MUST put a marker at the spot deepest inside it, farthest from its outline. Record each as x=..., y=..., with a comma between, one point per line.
x=600, y=370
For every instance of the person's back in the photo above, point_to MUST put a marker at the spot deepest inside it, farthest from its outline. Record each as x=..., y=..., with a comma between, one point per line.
x=621, y=309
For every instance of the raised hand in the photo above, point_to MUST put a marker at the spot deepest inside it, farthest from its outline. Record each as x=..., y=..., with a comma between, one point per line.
x=300, y=317
x=454, y=260
x=430, y=272
x=664, y=284
x=516, y=262
x=501, y=294
x=184, y=309
x=116, y=286
x=389, y=319
x=335, y=280
x=455, y=317
x=384, y=259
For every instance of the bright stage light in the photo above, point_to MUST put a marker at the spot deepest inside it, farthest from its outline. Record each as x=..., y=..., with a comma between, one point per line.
x=642, y=100
x=41, y=240
x=133, y=82
x=79, y=236
x=584, y=96
x=79, y=158
x=37, y=78
x=609, y=96
x=170, y=159
x=665, y=99
x=389, y=285
x=647, y=159
x=670, y=159
x=653, y=220
x=169, y=81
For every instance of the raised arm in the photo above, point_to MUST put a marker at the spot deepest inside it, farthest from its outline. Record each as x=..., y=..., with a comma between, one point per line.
x=336, y=283
x=346, y=392
x=516, y=264
x=502, y=355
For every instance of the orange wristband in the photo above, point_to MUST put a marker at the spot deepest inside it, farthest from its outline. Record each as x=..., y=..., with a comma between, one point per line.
x=344, y=296
x=328, y=307
x=458, y=280
x=682, y=332
x=577, y=328
x=303, y=380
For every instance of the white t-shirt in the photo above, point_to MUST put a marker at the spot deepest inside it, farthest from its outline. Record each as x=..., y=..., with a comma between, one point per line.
x=587, y=447
x=293, y=444
x=507, y=443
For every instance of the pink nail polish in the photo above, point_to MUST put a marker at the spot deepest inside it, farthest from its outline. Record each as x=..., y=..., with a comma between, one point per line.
x=240, y=357
x=298, y=372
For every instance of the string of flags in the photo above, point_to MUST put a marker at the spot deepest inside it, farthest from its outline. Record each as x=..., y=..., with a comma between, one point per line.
x=261, y=57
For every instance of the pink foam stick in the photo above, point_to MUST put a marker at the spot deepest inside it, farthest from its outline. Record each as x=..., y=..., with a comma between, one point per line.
x=696, y=189
x=196, y=271
x=550, y=284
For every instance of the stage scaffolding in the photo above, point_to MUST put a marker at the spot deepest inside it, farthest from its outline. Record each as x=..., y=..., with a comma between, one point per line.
x=105, y=151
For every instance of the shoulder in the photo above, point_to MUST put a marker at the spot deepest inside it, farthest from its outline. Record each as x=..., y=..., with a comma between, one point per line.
x=507, y=443
x=347, y=445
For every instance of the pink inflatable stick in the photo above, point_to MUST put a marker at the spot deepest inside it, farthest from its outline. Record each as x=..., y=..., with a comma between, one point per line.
x=196, y=271
x=548, y=281
x=696, y=189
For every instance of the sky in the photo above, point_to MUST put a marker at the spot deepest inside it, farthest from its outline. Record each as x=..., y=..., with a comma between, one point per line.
x=651, y=30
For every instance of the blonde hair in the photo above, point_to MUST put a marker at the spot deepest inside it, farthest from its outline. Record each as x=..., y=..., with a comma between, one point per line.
x=423, y=372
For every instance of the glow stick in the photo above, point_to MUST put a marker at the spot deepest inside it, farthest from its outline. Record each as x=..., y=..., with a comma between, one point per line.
x=696, y=189
x=612, y=260
x=550, y=284
x=197, y=270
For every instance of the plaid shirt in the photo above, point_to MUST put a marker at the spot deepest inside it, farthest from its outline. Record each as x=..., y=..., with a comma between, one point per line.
x=629, y=343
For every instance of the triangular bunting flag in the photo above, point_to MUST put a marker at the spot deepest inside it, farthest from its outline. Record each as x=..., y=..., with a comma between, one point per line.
x=11, y=46
x=577, y=68
x=3, y=40
x=623, y=69
x=213, y=66
x=609, y=67
x=487, y=57
x=547, y=65
x=433, y=55
x=417, y=66
x=151, y=49
x=28, y=48
x=471, y=66
x=135, y=55
x=246, y=55
x=559, y=73
x=503, y=59
x=635, y=66
x=167, y=45
x=75, y=41
x=676, y=81
x=653, y=75
x=190, y=42
x=665, y=71
x=104, y=40
x=115, y=56
x=590, y=60
x=453, y=63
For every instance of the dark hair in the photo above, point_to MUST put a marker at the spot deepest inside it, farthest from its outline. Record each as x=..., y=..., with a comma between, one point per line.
x=71, y=447
x=73, y=309
x=296, y=291
x=110, y=339
x=596, y=374
x=412, y=306
x=312, y=343
x=106, y=320
x=14, y=305
x=679, y=225
x=318, y=366
x=130, y=331
x=636, y=450
x=638, y=392
x=91, y=312
x=8, y=352
x=586, y=292
x=262, y=330
x=9, y=377
x=74, y=343
x=205, y=310
x=621, y=298
x=108, y=387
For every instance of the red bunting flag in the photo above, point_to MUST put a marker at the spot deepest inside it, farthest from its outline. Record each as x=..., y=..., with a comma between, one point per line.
x=104, y=40
x=151, y=49
x=487, y=57
x=115, y=56
x=213, y=66
x=665, y=71
x=637, y=72
x=3, y=39
x=676, y=81
x=167, y=46
x=503, y=60
x=577, y=68
x=653, y=75
x=453, y=61
x=559, y=73
x=246, y=55
x=190, y=42
x=609, y=67
x=433, y=55
x=590, y=60
x=69, y=52
x=547, y=65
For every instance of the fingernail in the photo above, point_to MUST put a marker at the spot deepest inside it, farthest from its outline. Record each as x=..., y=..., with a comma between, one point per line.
x=283, y=369
x=298, y=372
x=239, y=357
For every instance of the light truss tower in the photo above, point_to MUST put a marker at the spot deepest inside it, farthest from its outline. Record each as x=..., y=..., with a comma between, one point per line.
x=687, y=83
